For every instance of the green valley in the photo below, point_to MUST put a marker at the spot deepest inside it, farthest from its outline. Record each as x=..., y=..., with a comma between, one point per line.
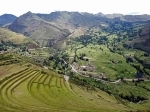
x=75, y=62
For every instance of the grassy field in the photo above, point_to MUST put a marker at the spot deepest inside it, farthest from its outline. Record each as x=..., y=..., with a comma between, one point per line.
x=25, y=87
x=29, y=90
x=112, y=64
x=9, y=36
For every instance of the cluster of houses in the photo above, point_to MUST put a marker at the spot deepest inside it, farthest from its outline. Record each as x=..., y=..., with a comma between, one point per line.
x=89, y=71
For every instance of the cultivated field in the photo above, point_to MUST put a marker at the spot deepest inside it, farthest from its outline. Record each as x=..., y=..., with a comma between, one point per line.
x=25, y=87
x=31, y=89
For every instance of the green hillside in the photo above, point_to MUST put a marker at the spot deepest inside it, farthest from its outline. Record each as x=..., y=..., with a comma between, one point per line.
x=9, y=38
x=26, y=87
x=31, y=88
x=101, y=59
x=85, y=62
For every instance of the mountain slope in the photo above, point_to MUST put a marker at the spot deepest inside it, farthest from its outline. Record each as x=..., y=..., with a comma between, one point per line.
x=23, y=82
x=6, y=18
x=72, y=20
x=7, y=36
x=42, y=31
x=49, y=29
x=142, y=41
x=129, y=18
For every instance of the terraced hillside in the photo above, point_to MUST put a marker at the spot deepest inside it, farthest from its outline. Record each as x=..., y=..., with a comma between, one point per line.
x=25, y=87
x=31, y=90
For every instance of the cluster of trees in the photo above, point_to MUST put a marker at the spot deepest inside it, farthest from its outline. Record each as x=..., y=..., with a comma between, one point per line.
x=102, y=40
x=81, y=56
x=3, y=48
x=119, y=26
x=7, y=43
x=59, y=62
x=82, y=82
x=129, y=59
x=132, y=97
x=85, y=39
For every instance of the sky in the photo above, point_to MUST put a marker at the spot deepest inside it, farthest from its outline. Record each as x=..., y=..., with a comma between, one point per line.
x=19, y=7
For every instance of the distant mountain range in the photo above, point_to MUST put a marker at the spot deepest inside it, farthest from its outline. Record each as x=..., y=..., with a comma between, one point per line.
x=129, y=18
x=48, y=29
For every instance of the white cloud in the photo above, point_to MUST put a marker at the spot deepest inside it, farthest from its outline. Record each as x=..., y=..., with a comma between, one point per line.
x=19, y=7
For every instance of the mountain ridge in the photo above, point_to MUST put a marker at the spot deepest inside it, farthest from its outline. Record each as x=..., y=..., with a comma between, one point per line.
x=32, y=26
x=7, y=18
x=48, y=29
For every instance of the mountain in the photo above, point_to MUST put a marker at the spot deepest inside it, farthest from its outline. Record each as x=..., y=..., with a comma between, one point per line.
x=38, y=29
x=142, y=41
x=115, y=15
x=135, y=18
x=129, y=18
x=48, y=29
x=12, y=38
x=72, y=20
x=6, y=18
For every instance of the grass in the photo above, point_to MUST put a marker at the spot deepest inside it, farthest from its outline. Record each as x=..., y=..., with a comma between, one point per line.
x=30, y=90
x=42, y=52
x=9, y=36
x=141, y=107
x=112, y=64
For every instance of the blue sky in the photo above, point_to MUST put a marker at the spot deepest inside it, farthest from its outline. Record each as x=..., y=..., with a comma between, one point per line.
x=18, y=7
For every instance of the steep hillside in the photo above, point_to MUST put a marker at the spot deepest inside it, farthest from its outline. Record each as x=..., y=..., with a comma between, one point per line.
x=6, y=18
x=7, y=36
x=72, y=20
x=26, y=87
x=40, y=30
x=142, y=40
x=52, y=29
x=48, y=29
